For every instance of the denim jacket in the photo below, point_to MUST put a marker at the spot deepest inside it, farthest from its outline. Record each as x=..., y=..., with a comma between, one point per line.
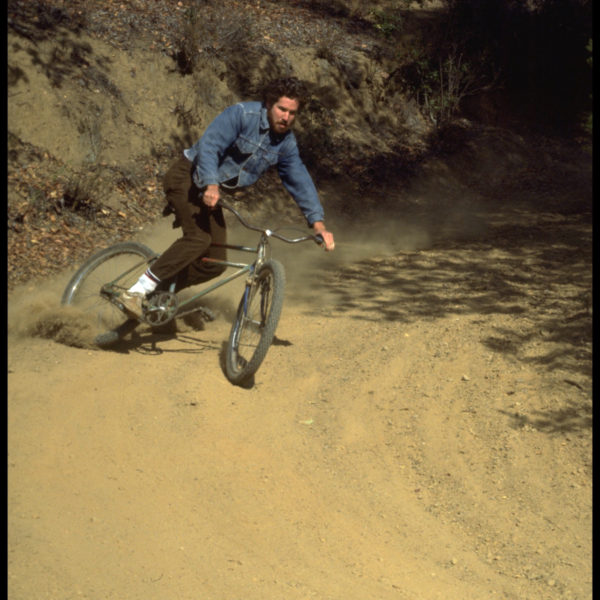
x=239, y=146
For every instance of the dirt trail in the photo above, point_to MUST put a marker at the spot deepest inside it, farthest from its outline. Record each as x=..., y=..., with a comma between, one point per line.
x=420, y=429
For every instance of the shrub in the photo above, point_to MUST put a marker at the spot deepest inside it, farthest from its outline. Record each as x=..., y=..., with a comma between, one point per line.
x=80, y=195
x=439, y=82
x=211, y=31
x=535, y=50
x=388, y=22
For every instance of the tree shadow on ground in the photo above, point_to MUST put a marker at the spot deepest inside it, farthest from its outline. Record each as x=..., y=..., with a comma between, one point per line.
x=573, y=418
x=534, y=268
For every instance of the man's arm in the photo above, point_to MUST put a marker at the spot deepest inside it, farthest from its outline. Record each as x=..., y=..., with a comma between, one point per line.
x=218, y=136
x=298, y=182
x=209, y=149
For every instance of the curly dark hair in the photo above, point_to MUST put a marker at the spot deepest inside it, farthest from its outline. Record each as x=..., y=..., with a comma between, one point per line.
x=290, y=87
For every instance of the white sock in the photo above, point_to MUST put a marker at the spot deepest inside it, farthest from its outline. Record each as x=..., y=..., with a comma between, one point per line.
x=145, y=284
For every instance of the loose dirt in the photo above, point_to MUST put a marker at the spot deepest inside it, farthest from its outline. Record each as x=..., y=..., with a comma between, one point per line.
x=420, y=428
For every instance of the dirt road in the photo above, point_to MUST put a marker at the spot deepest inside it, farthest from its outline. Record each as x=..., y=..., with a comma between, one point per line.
x=420, y=429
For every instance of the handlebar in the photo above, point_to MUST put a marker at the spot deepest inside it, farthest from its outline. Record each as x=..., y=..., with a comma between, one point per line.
x=318, y=238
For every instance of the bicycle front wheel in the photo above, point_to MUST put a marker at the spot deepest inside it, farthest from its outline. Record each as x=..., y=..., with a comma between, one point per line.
x=121, y=265
x=254, y=327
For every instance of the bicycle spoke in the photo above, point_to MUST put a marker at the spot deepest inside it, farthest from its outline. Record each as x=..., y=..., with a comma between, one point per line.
x=253, y=330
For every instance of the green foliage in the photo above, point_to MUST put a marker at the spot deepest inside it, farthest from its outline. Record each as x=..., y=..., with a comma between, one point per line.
x=388, y=22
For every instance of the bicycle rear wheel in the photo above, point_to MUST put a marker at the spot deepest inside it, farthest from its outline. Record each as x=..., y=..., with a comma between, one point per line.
x=254, y=327
x=121, y=264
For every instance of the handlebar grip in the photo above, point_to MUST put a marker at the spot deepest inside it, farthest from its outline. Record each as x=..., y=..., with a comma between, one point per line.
x=319, y=239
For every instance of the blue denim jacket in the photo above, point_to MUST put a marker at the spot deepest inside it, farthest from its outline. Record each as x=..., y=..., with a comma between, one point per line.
x=239, y=146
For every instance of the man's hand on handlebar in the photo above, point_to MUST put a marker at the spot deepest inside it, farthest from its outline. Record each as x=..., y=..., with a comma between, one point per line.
x=327, y=236
x=211, y=195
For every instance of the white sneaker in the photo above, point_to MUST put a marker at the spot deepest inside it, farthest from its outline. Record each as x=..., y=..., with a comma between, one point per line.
x=132, y=303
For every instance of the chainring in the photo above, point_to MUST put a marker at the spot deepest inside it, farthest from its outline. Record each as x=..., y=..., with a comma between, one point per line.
x=160, y=308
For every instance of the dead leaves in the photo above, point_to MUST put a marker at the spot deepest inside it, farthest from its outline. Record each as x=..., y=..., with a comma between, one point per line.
x=49, y=231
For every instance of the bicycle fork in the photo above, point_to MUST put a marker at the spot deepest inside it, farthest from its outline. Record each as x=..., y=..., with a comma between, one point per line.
x=254, y=287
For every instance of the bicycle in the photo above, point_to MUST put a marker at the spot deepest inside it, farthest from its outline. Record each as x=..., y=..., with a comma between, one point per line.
x=96, y=285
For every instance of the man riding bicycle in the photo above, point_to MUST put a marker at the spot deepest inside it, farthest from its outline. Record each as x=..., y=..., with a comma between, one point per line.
x=236, y=149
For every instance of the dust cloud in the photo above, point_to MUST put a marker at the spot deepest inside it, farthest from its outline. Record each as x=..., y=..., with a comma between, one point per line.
x=34, y=310
x=308, y=266
x=305, y=263
x=37, y=312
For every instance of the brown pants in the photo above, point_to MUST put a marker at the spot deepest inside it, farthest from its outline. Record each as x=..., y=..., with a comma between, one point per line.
x=200, y=226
